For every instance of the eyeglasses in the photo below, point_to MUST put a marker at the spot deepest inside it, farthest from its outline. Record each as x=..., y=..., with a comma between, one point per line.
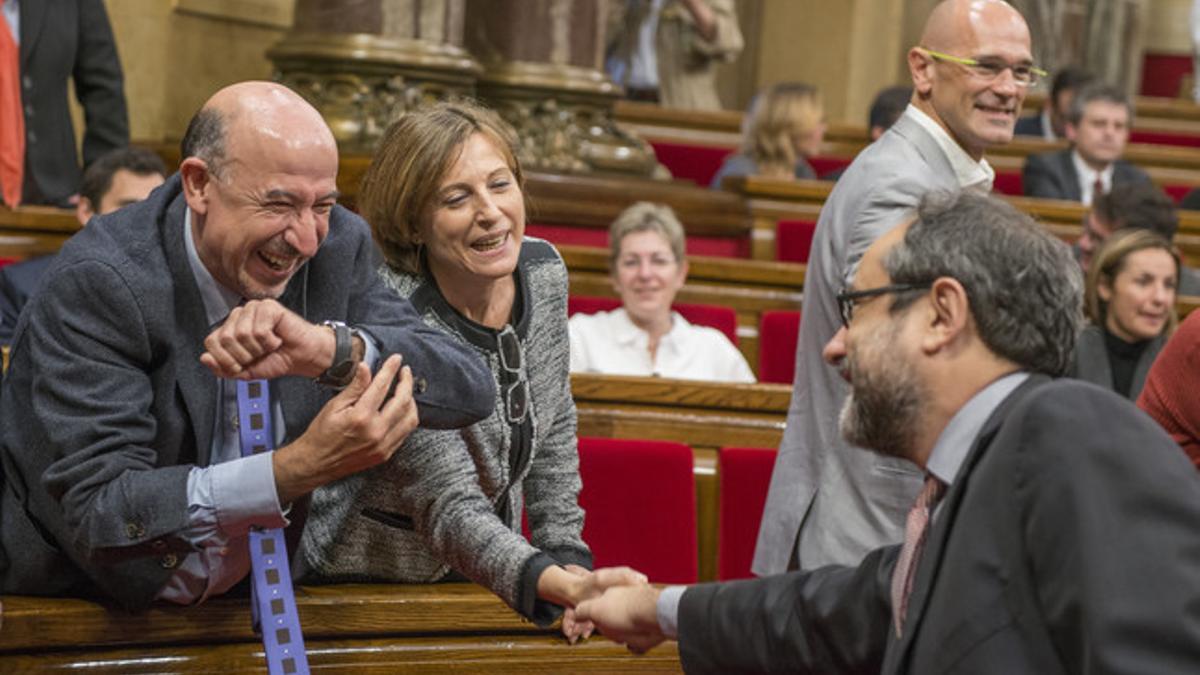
x=848, y=298
x=1024, y=75
x=514, y=385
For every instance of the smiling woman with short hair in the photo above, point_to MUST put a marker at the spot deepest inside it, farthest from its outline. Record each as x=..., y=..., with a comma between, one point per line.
x=647, y=267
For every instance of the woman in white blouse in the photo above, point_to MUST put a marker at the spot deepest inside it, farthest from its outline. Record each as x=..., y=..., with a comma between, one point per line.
x=644, y=337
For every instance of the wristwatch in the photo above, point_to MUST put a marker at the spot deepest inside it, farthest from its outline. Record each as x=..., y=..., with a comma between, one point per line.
x=341, y=372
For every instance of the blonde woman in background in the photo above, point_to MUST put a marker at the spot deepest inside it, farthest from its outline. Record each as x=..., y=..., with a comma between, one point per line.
x=785, y=126
x=1130, y=301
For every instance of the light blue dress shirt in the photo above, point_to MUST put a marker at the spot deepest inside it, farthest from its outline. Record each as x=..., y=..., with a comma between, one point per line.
x=233, y=493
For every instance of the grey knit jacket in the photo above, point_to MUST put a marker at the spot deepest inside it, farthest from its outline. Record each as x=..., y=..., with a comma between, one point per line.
x=435, y=506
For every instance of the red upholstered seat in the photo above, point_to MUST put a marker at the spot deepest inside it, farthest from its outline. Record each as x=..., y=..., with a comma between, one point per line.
x=640, y=503
x=1165, y=138
x=697, y=163
x=745, y=474
x=569, y=234
x=721, y=247
x=1008, y=183
x=778, y=331
x=5, y=262
x=1177, y=192
x=823, y=165
x=722, y=318
x=1163, y=73
x=793, y=240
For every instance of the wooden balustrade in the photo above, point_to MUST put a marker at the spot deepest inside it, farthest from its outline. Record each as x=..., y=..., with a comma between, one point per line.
x=439, y=628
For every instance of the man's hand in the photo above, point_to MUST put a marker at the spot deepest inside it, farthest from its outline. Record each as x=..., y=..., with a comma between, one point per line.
x=262, y=339
x=626, y=615
x=356, y=430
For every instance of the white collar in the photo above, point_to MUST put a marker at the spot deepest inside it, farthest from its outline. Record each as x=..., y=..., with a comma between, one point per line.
x=967, y=172
x=626, y=332
x=1088, y=175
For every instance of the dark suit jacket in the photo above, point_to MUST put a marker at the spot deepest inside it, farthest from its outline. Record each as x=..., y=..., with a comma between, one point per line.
x=1091, y=362
x=1067, y=544
x=61, y=40
x=1030, y=125
x=17, y=283
x=1052, y=175
x=114, y=407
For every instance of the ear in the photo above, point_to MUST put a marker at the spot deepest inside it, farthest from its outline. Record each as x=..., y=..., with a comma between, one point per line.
x=1072, y=132
x=920, y=67
x=84, y=210
x=1104, y=289
x=683, y=272
x=949, y=316
x=197, y=184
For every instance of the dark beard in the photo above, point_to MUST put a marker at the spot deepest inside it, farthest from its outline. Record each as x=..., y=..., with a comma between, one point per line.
x=882, y=409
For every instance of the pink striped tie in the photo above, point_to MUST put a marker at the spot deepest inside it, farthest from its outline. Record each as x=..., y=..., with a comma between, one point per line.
x=915, y=532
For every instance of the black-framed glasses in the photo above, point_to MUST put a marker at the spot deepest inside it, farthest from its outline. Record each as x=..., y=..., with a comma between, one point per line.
x=515, y=388
x=990, y=68
x=847, y=298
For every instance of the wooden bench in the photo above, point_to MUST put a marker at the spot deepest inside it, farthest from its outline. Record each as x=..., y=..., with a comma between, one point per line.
x=439, y=628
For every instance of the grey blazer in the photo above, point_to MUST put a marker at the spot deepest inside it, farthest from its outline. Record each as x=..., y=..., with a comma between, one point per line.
x=114, y=407
x=847, y=499
x=1067, y=544
x=452, y=500
x=1091, y=360
x=1052, y=175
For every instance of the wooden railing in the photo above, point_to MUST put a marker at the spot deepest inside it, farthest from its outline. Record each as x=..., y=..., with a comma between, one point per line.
x=440, y=628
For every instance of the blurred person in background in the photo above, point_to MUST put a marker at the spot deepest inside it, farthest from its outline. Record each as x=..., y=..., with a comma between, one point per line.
x=644, y=336
x=786, y=125
x=1130, y=303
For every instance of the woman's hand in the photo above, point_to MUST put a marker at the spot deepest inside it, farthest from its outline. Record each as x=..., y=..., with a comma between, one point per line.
x=571, y=585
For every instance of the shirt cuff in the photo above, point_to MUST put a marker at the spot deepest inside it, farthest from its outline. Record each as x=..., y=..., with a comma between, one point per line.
x=370, y=350
x=245, y=496
x=668, y=610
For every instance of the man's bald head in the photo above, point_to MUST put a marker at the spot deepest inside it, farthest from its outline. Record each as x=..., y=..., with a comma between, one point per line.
x=254, y=114
x=964, y=71
x=259, y=174
x=956, y=24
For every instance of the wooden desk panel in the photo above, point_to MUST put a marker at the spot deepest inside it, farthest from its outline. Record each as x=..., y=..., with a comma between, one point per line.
x=439, y=628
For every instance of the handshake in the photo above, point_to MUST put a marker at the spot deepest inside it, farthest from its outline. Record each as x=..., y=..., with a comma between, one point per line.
x=618, y=601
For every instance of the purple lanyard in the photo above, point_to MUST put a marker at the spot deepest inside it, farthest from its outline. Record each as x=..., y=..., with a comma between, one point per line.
x=272, y=593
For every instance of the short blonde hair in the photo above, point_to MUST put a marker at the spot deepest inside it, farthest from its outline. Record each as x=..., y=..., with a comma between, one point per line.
x=1109, y=261
x=413, y=157
x=779, y=114
x=645, y=217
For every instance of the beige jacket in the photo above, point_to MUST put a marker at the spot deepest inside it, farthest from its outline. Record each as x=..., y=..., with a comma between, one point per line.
x=687, y=63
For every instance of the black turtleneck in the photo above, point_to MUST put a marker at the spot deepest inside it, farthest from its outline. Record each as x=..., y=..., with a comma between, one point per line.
x=1122, y=360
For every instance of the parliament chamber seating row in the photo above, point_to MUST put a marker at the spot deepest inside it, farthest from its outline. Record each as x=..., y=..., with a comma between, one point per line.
x=695, y=143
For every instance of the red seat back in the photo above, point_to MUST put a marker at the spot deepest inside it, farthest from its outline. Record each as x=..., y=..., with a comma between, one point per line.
x=823, y=165
x=697, y=163
x=778, y=332
x=793, y=240
x=745, y=474
x=639, y=498
x=1008, y=183
x=720, y=317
